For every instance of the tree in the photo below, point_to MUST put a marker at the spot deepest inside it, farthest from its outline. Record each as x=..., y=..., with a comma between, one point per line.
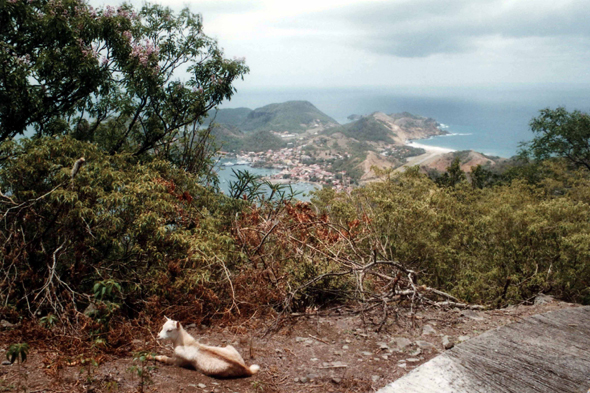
x=110, y=76
x=560, y=133
x=112, y=230
x=47, y=63
x=453, y=176
x=481, y=177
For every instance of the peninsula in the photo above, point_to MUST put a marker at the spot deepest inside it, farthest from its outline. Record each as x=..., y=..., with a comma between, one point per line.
x=308, y=145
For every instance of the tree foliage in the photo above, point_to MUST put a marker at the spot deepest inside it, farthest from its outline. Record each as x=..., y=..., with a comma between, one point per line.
x=110, y=76
x=494, y=245
x=119, y=228
x=560, y=133
x=453, y=176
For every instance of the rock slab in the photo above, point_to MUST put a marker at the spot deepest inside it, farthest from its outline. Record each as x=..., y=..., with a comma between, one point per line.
x=543, y=353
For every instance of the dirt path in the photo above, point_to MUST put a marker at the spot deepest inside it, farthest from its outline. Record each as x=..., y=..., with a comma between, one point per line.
x=313, y=353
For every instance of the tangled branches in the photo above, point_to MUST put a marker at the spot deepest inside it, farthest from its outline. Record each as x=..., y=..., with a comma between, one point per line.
x=313, y=261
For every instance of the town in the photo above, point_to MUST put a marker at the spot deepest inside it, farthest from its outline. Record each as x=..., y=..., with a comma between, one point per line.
x=295, y=166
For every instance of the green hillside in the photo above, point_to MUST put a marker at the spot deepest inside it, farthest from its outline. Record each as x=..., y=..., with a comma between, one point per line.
x=231, y=139
x=367, y=129
x=262, y=141
x=231, y=116
x=292, y=116
x=227, y=137
x=408, y=120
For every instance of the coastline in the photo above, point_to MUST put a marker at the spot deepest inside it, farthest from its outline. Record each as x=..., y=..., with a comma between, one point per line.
x=430, y=149
x=432, y=152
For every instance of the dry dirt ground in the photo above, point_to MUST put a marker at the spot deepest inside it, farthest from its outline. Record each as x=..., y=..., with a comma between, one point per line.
x=329, y=352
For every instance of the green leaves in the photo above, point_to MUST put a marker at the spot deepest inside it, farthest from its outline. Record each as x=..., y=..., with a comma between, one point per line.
x=110, y=76
x=49, y=64
x=560, y=133
x=17, y=353
x=494, y=245
x=107, y=290
x=120, y=223
x=253, y=189
x=48, y=321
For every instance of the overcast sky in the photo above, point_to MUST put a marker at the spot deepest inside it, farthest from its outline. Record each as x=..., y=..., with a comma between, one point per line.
x=427, y=43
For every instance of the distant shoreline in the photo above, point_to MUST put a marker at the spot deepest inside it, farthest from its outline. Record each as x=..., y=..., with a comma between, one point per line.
x=430, y=149
x=431, y=153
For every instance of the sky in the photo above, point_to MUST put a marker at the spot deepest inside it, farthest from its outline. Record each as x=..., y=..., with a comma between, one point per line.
x=358, y=56
x=434, y=43
x=411, y=44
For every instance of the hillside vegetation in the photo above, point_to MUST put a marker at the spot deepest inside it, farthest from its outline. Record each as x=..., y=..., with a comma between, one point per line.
x=291, y=116
x=228, y=117
x=111, y=216
x=231, y=139
x=366, y=129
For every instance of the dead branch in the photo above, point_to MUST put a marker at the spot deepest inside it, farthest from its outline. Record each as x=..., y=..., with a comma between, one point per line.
x=30, y=201
x=49, y=286
x=456, y=304
x=265, y=237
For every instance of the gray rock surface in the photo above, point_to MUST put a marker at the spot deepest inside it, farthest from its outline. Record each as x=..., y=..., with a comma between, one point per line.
x=543, y=299
x=428, y=330
x=400, y=342
x=542, y=353
x=476, y=316
x=425, y=345
x=447, y=343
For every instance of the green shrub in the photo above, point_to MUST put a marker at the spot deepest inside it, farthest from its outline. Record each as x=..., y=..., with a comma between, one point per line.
x=119, y=229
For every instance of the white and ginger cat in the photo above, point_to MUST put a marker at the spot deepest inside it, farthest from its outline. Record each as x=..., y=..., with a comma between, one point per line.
x=213, y=361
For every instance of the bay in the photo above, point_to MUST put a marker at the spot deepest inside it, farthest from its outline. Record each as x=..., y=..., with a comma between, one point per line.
x=226, y=176
x=491, y=120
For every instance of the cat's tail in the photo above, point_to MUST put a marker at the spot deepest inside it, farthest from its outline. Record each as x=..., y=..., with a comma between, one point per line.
x=254, y=368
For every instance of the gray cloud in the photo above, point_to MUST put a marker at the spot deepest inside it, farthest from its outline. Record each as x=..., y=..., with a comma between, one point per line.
x=422, y=28
x=225, y=7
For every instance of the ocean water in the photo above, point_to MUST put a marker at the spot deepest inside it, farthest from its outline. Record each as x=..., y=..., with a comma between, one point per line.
x=490, y=120
x=226, y=176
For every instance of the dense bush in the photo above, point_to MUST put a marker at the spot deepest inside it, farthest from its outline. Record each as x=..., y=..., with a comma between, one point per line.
x=148, y=227
x=133, y=229
x=495, y=245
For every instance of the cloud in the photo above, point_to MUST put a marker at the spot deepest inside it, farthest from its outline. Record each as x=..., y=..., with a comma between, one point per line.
x=226, y=6
x=420, y=28
x=206, y=7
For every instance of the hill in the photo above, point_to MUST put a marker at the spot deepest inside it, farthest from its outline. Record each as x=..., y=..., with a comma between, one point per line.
x=231, y=116
x=376, y=140
x=291, y=116
x=467, y=158
x=231, y=139
x=366, y=129
x=262, y=141
x=407, y=126
x=228, y=137
x=396, y=128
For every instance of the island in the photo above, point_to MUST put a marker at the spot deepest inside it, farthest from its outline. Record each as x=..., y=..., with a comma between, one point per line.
x=307, y=145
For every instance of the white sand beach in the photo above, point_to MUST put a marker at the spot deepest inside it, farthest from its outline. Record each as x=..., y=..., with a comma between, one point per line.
x=430, y=149
x=431, y=153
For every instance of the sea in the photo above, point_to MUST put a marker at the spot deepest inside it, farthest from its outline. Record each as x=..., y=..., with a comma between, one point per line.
x=227, y=168
x=492, y=120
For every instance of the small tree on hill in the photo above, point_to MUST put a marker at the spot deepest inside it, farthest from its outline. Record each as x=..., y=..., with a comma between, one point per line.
x=453, y=176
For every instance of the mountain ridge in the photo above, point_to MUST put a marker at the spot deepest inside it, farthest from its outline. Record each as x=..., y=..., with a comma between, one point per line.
x=289, y=116
x=305, y=134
